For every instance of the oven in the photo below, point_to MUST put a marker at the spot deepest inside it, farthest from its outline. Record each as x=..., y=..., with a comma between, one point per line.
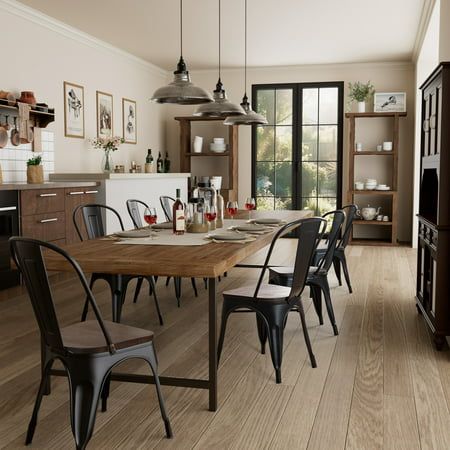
x=9, y=226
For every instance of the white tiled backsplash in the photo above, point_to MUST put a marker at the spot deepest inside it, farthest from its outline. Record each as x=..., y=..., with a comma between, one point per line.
x=13, y=160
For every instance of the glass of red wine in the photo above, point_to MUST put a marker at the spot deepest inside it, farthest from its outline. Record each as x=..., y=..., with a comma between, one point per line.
x=150, y=216
x=250, y=205
x=232, y=209
x=210, y=214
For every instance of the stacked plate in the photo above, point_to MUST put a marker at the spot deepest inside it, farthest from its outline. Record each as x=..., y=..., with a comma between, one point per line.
x=218, y=145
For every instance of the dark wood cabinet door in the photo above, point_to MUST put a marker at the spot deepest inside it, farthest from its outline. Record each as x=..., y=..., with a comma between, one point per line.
x=73, y=198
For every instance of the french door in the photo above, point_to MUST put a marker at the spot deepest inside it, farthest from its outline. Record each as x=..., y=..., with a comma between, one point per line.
x=297, y=156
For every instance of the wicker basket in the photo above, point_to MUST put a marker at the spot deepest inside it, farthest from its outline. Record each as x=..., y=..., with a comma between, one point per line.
x=35, y=174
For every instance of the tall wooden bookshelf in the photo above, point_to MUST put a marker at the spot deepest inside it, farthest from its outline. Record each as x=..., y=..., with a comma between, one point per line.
x=358, y=196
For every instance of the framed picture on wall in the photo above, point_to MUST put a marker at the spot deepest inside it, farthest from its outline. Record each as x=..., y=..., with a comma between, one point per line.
x=73, y=110
x=129, y=121
x=104, y=114
x=389, y=102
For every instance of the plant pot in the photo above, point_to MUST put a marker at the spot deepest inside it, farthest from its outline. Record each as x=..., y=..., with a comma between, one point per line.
x=35, y=174
x=361, y=107
x=27, y=97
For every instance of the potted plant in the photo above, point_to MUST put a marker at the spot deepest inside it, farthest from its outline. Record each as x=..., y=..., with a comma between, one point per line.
x=35, y=171
x=360, y=92
x=108, y=145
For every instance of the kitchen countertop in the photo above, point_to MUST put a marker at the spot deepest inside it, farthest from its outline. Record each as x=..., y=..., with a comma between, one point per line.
x=114, y=176
x=46, y=185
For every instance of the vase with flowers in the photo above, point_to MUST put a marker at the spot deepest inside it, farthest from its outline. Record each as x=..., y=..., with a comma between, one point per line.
x=360, y=93
x=108, y=145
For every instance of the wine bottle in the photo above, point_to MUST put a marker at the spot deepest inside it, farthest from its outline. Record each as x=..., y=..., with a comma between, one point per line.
x=149, y=158
x=220, y=210
x=166, y=164
x=178, y=215
x=159, y=164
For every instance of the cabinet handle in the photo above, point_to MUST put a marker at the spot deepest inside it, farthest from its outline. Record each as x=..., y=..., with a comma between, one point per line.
x=54, y=219
x=8, y=208
x=48, y=195
x=426, y=125
x=433, y=121
x=91, y=192
x=76, y=193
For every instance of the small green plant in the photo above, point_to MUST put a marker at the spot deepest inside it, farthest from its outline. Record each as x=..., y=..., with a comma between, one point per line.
x=360, y=92
x=35, y=161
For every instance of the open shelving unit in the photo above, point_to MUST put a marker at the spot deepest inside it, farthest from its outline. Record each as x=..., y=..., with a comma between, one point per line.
x=38, y=118
x=354, y=196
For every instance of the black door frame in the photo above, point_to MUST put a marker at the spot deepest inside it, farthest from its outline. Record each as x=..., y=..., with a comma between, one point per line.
x=297, y=112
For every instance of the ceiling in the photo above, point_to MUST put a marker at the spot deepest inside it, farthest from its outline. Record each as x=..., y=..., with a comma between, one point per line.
x=281, y=32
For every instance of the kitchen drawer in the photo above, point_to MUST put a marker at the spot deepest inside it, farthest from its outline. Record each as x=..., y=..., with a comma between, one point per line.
x=46, y=227
x=39, y=201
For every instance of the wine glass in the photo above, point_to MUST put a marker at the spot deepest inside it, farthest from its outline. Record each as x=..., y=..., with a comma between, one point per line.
x=250, y=205
x=232, y=209
x=150, y=215
x=210, y=214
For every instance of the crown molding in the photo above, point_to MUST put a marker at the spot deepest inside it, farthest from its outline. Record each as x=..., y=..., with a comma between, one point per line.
x=427, y=11
x=32, y=15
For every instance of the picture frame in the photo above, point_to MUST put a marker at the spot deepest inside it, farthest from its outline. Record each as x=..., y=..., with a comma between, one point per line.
x=74, y=110
x=105, y=116
x=129, y=121
x=389, y=102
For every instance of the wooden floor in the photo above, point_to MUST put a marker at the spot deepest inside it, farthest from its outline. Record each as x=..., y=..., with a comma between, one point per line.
x=379, y=384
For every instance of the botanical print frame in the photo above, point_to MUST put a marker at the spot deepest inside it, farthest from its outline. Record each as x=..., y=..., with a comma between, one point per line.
x=104, y=115
x=389, y=102
x=129, y=121
x=73, y=110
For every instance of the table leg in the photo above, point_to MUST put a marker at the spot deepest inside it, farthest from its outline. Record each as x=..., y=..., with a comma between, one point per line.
x=212, y=332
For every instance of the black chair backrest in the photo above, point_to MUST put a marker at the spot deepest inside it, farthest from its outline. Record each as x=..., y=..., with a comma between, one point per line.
x=309, y=232
x=133, y=211
x=333, y=236
x=350, y=214
x=166, y=204
x=27, y=254
x=93, y=219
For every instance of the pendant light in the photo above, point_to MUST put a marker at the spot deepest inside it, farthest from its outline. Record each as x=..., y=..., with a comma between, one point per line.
x=181, y=90
x=250, y=117
x=221, y=106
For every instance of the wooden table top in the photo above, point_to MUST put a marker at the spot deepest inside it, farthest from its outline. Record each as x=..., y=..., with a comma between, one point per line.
x=212, y=260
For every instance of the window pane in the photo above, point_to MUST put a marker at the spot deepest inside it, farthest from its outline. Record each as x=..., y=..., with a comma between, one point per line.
x=328, y=143
x=284, y=106
x=325, y=205
x=283, y=144
x=327, y=179
x=265, y=145
x=328, y=105
x=265, y=104
x=309, y=179
x=265, y=174
x=310, y=106
x=309, y=140
x=283, y=179
x=283, y=203
x=309, y=203
x=265, y=203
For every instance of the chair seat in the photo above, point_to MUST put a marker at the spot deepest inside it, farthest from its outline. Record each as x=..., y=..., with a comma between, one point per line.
x=288, y=271
x=87, y=337
x=267, y=292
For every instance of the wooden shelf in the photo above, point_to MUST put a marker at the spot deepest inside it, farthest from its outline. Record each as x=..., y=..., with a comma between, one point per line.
x=374, y=152
x=372, y=192
x=227, y=153
x=39, y=118
x=375, y=114
x=371, y=222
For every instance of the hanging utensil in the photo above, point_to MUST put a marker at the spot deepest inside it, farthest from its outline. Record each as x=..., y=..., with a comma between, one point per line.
x=15, y=138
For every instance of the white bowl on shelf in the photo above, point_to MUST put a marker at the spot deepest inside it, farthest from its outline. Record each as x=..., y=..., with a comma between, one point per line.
x=218, y=148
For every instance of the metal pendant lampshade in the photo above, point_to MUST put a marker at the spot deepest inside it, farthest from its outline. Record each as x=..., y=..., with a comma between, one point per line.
x=181, y=90
x=221, y=106
x=250, y=117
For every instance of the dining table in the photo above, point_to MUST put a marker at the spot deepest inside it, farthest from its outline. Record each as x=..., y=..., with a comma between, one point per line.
x=192, y=261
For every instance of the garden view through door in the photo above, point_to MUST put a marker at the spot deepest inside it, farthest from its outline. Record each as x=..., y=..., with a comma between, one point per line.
x=297, y=155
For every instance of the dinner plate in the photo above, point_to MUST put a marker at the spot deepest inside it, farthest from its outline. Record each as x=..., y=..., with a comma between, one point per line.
x=162, y=226
x=268, y=221
x=228, y=236
x=250, y=227
x=134, y=234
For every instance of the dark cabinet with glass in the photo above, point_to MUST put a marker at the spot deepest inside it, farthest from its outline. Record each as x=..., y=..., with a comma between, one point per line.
x=433, y=267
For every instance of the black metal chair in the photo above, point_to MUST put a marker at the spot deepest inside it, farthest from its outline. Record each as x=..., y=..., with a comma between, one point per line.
x=339, y=259
x=88, y=350
x=317, y=278
x=272, y=303
x=93, y=221
x=166, y=205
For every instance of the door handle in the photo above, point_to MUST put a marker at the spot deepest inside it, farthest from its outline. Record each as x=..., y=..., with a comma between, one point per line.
x=53, y=219
x=48, y=195
x=8, y=208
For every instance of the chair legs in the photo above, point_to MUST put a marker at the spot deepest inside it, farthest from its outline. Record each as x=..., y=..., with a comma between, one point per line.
x=262, y=333
x=322, y=284
x=194, y=286
x=317, y=302
x=343, y=262
x=138, y=289
x=155, y=298
x=337, y=269
x=177, y=283
x=301, y=311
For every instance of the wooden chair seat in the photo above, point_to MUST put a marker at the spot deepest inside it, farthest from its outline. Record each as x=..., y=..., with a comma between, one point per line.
x=267, y=292
x=87, y=337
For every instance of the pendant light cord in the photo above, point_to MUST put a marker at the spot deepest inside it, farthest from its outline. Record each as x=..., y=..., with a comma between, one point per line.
x=245, y=52
x=219, y=38
x=181, y=28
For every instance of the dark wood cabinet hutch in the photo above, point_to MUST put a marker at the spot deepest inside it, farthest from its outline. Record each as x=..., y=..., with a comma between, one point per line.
x=433, y=268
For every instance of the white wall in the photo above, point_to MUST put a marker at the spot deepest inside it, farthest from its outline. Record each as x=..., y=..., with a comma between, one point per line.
x=41, y=53
x=385, y=76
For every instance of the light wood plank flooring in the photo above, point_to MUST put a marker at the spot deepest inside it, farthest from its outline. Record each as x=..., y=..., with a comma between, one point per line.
x=379, y=384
